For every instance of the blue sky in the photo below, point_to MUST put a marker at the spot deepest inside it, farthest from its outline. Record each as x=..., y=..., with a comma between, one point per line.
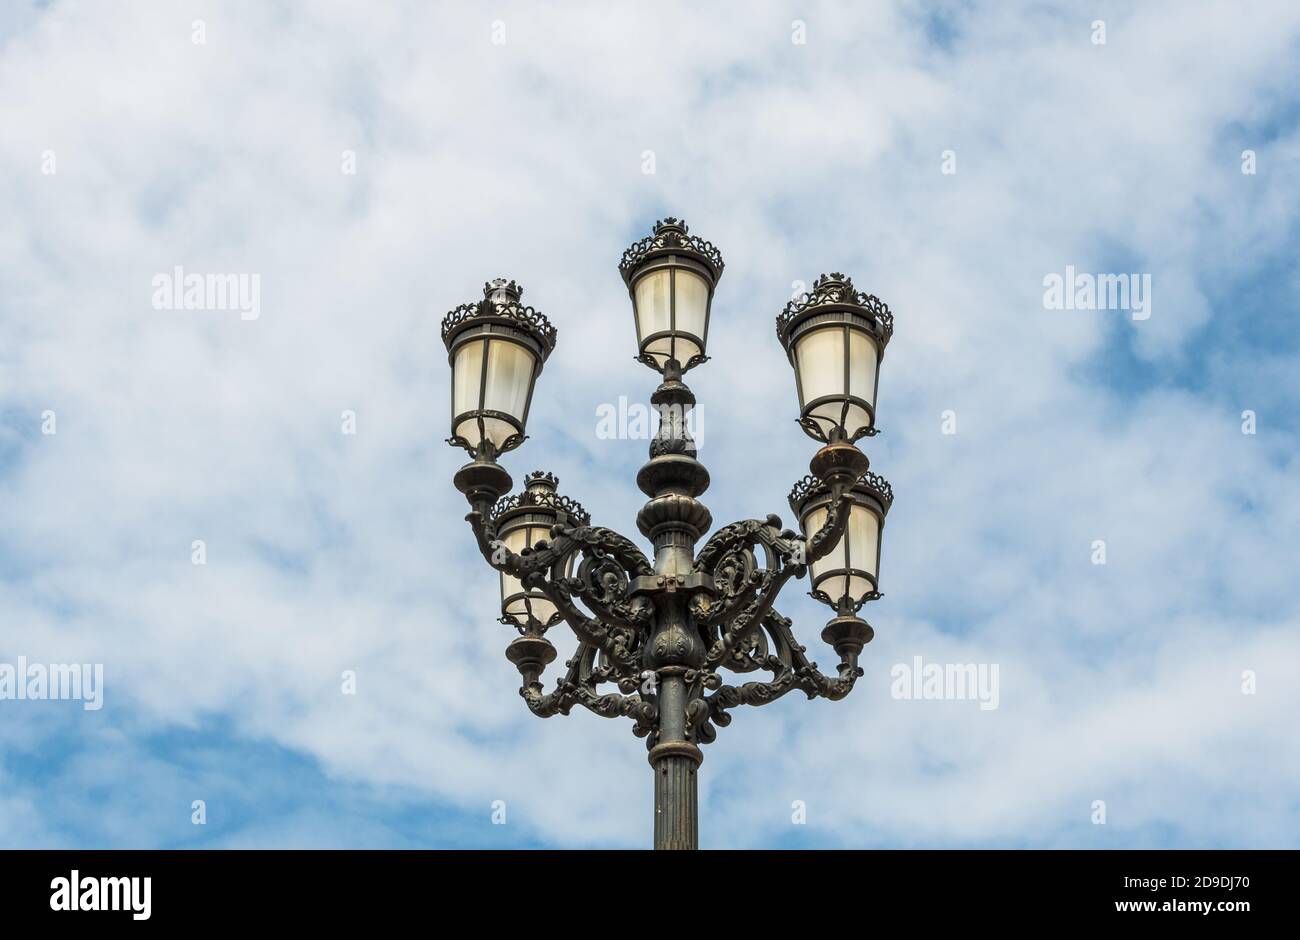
x=329, y=553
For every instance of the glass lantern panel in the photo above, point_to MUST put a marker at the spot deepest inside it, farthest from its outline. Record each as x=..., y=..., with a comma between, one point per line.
x=864, y=545
x=515, y=541
x=820, y=358
x=653, y=309
x=498, y=431
x=467, y=373
x=862, y=368
x=677, y=348
x=543, y=609
x=829, y=414
x=692, y=304
x=509, y=376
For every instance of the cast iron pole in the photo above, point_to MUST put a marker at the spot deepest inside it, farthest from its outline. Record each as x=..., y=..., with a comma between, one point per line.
x=674, y=520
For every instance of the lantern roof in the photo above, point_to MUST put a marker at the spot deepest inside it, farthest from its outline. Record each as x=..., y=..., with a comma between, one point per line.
x=833, y=292
x=500, y=304
x=810, y=487
x=539, y=493
x=670, y=237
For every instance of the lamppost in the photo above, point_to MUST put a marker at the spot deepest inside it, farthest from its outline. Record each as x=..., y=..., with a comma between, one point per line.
x=663, y=632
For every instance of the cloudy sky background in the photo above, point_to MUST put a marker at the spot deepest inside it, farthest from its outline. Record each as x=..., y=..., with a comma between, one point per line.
x=328, y=552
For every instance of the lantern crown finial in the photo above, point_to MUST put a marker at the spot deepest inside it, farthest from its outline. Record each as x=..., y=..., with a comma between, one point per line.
x=539, y=481
x=676, y=225
x=834, y=281
x=502, y=291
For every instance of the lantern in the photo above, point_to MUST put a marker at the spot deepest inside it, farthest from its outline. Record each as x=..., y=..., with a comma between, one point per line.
x=849, y=575
x=521, y=522
x=496, y=348
x=835, y=338
x=670, y=276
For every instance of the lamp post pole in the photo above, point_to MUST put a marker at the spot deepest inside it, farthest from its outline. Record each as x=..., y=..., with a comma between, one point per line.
x=664, y=631
x=674, y=520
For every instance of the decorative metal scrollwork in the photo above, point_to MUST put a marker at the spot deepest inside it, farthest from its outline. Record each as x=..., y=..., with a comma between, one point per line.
x=734, y=572
x=529, y=317
x=604, y=580
x=673, y=234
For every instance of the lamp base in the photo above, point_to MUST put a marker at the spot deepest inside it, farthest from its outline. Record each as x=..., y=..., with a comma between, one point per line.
x=531, y=655
x=841, y=461
x=847, y=635
x=483, y=481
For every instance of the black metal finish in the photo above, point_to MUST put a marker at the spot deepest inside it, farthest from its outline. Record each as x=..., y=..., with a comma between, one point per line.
x=663, y=631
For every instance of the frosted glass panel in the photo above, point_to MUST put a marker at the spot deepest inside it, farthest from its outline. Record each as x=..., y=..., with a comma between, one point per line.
x=692, y=304
x=864, y=539
x=652, y=304
x=497, y=430
x=667, y=348
x=820, y=356
x=467, y=372
x=516, y=541
x=829, y=414
x=509, y=373
x=862, y=367
x=543, y=609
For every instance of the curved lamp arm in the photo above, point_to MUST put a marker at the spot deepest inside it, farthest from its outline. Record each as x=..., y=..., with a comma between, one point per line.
x=791, y=670
x=609, y=561
x=783, y=564
x=579, y=687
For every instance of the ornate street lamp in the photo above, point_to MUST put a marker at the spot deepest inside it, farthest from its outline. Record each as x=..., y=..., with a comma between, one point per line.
x=663, y=631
